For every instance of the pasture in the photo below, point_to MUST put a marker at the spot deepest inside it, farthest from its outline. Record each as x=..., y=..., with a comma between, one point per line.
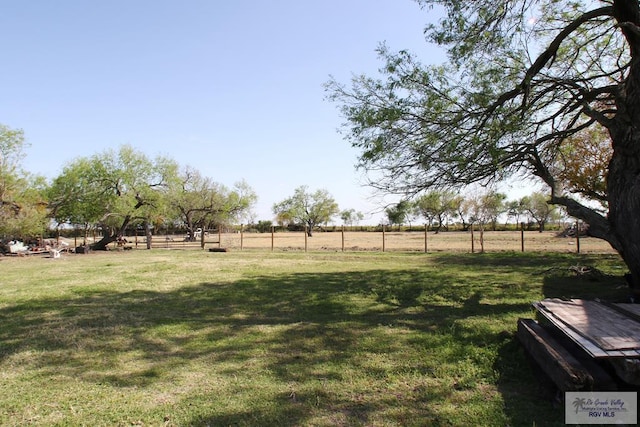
x=288, y=338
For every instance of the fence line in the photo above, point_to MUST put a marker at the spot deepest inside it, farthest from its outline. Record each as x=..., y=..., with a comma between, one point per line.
x=390, y=241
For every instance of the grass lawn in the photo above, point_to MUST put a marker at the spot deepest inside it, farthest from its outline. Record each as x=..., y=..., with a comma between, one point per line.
x=182, y=338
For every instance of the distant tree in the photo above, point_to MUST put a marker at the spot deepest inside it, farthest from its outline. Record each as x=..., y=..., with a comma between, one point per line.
x=515, y=210
x=23, y=204
x=538, y=207
x=437, y=205
x=307, y=209
x=264, y=226
x=199, y=202
x=399, y=213
x=112, y=190
x=351, y=216
x=485, y=208
x=493, y=205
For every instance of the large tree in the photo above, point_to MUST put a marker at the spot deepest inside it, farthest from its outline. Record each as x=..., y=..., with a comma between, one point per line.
x=307, y=209
x=523, y=78
x=22, y=196
x=112, y=190
x=198, y=201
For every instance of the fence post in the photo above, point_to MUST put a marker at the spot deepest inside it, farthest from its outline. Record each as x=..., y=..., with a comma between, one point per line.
x=343, y=238
x=425, y=238
x=272, y=228
x=305, y=238
x=578, y=236
x=472, y=240
x=522, y=236
x=383, y=238
x=219, y=236
x=241, y=236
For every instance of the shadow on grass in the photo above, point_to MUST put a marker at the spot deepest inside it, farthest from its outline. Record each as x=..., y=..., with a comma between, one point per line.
x=306, y=332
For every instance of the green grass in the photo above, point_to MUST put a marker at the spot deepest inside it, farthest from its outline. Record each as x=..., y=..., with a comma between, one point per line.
x=181, y=338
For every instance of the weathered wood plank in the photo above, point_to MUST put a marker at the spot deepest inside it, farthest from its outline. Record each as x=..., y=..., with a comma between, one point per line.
x=632, y=310
x=561, y=366
x=610, y=329
x=591, y=348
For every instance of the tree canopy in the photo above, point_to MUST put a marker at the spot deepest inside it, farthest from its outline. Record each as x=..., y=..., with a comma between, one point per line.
x=307, y=209
x=536, y=206
x=438, y=206
x=111, y=189
x=199, y=202
x=398, y=213
x=524, y=79
x=22, y=199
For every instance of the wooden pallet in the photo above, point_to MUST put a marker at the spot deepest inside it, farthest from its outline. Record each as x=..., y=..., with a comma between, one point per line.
x=566, y=370
x=576, y=338
x=603, y=330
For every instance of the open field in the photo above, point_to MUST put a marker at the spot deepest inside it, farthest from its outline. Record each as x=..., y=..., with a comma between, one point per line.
x=457, y=241
x=255, y=338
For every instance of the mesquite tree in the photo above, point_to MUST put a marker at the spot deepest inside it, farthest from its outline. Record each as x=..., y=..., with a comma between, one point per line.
x=307, y=209
x=112, y=190
x=523, y=78
x=197, y=201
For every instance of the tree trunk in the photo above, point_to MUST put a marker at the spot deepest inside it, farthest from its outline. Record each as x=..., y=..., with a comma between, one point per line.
x=102, y=244
x=623, y=180
x=624, y=211
x=111, y=236
x=148, y=234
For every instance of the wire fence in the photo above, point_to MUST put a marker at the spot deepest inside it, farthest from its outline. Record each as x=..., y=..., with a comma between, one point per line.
x=385, y=241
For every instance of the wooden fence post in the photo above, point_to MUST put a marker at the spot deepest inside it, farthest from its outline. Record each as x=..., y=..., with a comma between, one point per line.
x=578, y=236
x=343, y=238
x=305, y=238
x=522, y=236
x=383, y=238
x=472, y=240
x=425, y=238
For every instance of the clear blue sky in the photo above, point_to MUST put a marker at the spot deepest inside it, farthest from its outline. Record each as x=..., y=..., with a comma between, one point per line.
x=233, y=88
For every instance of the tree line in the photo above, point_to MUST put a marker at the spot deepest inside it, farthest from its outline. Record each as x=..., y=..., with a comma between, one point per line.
x=440, y=208
x=118, y=192
x=113, y=192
